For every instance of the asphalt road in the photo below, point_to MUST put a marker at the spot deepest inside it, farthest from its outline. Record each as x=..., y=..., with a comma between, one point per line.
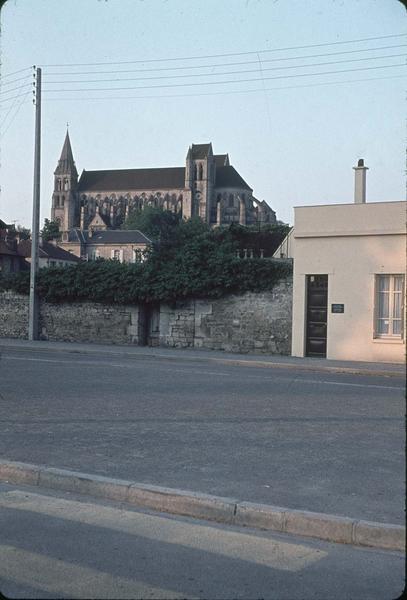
x=58, y=545
x=309, y=440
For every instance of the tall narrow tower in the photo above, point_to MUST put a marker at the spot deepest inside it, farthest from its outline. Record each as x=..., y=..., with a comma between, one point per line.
x=200, y=168
x=65, y=207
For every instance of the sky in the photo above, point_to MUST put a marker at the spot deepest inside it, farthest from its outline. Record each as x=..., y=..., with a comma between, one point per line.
x=307, y=93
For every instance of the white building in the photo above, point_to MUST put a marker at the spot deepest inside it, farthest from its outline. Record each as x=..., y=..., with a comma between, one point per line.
x=349, y=279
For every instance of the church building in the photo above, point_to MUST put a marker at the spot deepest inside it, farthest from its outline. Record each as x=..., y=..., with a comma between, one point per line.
x=208, y=186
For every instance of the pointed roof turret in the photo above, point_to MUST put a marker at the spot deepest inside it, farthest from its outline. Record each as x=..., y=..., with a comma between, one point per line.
x=66, y=163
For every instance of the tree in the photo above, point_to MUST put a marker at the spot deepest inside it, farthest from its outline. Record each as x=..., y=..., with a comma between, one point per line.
x=154, y=222
x=24, y=232
x=50, y=230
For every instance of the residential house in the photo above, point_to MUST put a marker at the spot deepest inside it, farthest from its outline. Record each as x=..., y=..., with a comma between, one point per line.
x=350, y=279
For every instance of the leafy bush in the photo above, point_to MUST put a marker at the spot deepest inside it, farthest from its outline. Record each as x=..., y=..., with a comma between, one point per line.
x=191, y=261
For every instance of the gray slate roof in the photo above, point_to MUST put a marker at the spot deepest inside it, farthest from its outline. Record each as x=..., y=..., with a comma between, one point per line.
x=221, y=160
x=169, y=178
x=132, y=179
x=200, y=150
x=229, y=177
x=116, y=236
x=66, y=163
x=47, y=250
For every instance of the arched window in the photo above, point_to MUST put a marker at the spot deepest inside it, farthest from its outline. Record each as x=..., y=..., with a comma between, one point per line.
x=200, y=171
x=65, y=184
x=56, y=201
x=231, y=201
x=62, y=200
x=195, y=172
x=59, y=185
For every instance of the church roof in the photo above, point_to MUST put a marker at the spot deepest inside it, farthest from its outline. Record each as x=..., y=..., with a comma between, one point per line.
x=200, y=150
x=221, y=160
x=169, y=178
x=229, y=177
x=133, y=179
x=66, y=163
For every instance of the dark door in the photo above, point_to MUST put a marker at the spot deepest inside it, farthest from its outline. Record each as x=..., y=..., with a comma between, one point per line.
x=143, y=324
x=317, y=307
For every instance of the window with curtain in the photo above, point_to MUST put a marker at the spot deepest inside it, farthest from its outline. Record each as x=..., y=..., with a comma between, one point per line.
x=389, y=306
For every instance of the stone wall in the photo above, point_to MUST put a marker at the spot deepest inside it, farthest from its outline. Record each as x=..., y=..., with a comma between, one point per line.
x=13, y=315
x=89, y=322
x=77, y=322
x=250, y=322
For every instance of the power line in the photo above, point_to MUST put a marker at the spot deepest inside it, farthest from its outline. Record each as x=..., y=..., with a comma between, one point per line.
x=14, y=116
x=2, y=83
x=225, y=72
x=16, y=88
x=11, y=107
x=2, y=100
x=228, y=64
x=223, y=92
x=150, y=60
x=225, y=82
x=15, y=72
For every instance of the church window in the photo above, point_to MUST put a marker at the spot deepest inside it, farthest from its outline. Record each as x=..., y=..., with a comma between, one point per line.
x=62, y=200
x=231, y=201
x=195, y=172
x=65, y=184
x=200, y=171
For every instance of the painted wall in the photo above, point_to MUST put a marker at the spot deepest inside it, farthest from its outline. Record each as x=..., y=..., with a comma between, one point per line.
x=351, y=244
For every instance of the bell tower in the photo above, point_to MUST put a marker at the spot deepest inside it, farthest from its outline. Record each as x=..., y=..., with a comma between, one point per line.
x=200, y=176
x=64, y=198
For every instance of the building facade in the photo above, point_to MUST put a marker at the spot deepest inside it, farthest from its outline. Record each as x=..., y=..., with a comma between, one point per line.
x=349, y=283
x=208, y=186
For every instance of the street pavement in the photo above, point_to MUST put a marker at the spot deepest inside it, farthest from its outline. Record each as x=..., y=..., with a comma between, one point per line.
x=59, y=545
x=315, y=440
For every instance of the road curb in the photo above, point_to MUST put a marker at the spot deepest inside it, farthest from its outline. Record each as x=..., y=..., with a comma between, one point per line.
x=239, y=362
x=212, y=508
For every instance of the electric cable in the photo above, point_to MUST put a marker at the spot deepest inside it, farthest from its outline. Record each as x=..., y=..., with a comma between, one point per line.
x=15, y=72
x=221, y=93
x=155, y=77
x=227, y=54
x=16, y=88
x=172, y=85
x=228, y=64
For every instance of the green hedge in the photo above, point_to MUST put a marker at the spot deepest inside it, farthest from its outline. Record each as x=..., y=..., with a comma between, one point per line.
x=195, y=262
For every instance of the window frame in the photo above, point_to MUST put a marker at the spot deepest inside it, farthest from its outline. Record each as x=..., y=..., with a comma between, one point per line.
x=391, y=306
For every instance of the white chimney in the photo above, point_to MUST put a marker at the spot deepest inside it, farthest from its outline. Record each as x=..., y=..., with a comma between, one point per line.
x=360, y=182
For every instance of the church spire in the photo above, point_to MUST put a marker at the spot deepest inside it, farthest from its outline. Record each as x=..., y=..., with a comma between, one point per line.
x=66, y=163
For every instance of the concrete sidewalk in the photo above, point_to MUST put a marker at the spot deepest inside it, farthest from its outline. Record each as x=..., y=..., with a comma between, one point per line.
x=195, y=354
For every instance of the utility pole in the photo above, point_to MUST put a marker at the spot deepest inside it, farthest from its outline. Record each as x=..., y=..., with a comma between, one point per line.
x=34, y=304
